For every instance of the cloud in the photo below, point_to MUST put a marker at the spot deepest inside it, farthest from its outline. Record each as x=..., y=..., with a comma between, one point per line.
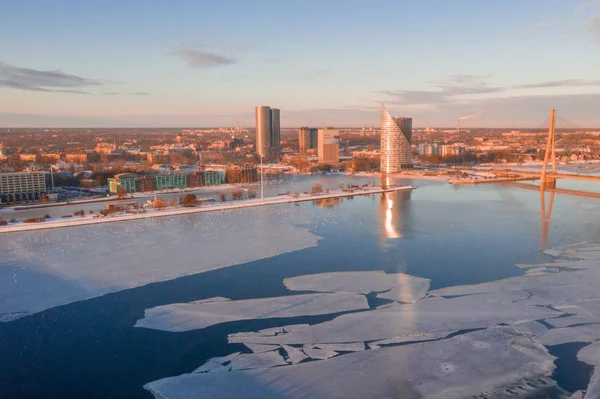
x=110, y=94
x=460, y=88
x=317, y=73
x=593, y=26
x=203, y=59
x=139, y=93
x=583, y=7
x=42, y=81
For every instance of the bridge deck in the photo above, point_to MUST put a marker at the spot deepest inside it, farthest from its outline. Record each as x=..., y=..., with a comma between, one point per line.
x=573, y=176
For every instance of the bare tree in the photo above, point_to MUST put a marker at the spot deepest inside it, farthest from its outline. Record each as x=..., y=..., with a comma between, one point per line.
x=317, y=189
x=188, y=200
x=121, y=192
x=237, y=194
x=222, y=197
x=159, y=204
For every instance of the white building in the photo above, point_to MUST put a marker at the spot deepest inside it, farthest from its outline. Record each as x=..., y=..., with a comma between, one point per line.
x=396, y=133
x=329, y=145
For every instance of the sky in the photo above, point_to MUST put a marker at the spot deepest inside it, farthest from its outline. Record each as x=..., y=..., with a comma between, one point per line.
x=203, y=63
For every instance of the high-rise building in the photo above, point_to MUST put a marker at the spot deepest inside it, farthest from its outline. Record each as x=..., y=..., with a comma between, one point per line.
x=329, y=145
x=308, y=138
x=268, y=133
x=395, y=149
x=275, y=133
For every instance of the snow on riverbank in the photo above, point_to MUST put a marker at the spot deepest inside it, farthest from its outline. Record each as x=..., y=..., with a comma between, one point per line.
x=95, y=219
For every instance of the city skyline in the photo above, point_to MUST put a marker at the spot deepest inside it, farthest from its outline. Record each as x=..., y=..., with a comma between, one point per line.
x=197, y=65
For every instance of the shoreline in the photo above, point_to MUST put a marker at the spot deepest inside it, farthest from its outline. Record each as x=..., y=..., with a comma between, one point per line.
x=248, y=203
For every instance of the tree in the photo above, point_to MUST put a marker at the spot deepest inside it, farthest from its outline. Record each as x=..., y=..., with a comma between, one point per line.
x=159, y=204
x=237, y=194
x=121, y=192
x=173, y=202
x=188, y=200
x=251, y=194
x=341, y=185
x=222, y=197
x=317, y=188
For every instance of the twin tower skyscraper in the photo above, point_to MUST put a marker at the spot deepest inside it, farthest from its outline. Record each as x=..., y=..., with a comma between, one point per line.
x=268, y=133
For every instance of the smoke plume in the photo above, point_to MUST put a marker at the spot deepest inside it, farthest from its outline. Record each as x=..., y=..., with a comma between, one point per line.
x=476, y=115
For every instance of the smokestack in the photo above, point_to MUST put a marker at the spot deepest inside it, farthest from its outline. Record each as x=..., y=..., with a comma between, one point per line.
x=458, y=126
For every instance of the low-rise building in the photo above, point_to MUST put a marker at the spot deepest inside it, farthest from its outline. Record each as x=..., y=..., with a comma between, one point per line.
x=174, y=180
x=145, y=183
x=235, y=174
x=22, y=186
x=212, y=177
x=126, y=181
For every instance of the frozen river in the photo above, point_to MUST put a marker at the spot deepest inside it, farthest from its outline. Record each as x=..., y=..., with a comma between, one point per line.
x=102, y=311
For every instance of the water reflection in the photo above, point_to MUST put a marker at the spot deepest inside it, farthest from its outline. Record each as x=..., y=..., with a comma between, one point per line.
x=328, y=202
x=546, y=212
x=394, y=214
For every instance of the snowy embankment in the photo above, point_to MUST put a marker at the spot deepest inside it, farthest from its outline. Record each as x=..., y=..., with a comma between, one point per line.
x=489, y=339
x=94, y=219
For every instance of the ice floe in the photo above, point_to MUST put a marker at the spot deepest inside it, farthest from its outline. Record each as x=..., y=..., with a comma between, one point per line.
x=453, y=368
x=258, y=348
x=591, y=355
x=257, y=361
x=408, y=293
x=192, y=316
x=319, y=354
x=440, y=355
x=428, y=316
x=294, y=355
x=349, y=347
x=402, y=286
x=34, y=275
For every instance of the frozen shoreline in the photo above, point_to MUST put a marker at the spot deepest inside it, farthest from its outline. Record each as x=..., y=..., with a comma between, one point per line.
x=89, y=220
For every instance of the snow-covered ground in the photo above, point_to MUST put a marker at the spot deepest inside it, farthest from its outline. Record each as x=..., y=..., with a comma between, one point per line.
x=151, y=213
x=440, y=357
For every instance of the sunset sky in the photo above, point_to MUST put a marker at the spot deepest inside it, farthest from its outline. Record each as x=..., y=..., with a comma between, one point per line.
x=208, y=63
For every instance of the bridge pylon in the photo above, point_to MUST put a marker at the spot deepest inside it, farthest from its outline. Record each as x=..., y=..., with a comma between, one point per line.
x=547, y=182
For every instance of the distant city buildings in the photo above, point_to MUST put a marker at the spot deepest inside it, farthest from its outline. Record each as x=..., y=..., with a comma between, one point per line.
x=443, y=150
x=22, y=187
x=268, y=132
x=329, y=145
x=133, y=183
x=395, y=149
x=308, y=138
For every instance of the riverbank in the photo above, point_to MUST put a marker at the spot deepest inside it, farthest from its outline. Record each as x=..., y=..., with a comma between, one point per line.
x=95, y=219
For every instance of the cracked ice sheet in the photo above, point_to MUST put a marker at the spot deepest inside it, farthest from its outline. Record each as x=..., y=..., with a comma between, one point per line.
x=430, y=316
x=408, y=287
x=181, y=317
x=319, y=354
x=408, y=293
x=257, y=361
x=294, y=355
x=459, y=367
x=350, y=347
x=558, y=336
x=591, y=355
x=34, y=275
